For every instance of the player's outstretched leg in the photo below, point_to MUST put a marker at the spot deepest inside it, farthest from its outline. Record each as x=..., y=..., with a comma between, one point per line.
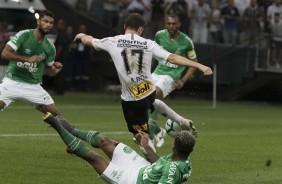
x=74, y=145
x=90, y=136
x=94, y=138
x=166, y=111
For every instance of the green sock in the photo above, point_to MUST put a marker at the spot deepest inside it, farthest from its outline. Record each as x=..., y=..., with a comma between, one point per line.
x=73, y=143
x=157, y=129
x=153, y=118
x=90, y=136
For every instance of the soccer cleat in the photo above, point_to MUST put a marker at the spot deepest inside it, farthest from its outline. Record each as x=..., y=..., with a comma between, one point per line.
x=187, y=124
x=160, y=138
x=65, y=123
x=50, y=119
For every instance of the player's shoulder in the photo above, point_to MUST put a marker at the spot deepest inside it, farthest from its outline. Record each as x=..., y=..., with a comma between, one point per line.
x=185, y=36
x=24, y=32
x=161, y=32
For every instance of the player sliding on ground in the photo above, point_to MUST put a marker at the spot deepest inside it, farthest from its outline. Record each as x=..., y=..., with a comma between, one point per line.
x=128, y=167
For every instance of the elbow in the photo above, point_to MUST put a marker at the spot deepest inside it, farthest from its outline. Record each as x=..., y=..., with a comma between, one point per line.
x=4, y=55
x=172, y=58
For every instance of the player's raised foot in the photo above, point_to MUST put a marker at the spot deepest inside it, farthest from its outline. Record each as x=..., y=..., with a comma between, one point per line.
x=65, y=123
x=160, y=138
x=50, y=119
x=187, y=124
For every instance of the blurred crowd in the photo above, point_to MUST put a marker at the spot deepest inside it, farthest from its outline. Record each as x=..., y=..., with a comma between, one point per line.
x=205, y=21
x=230, y=22
x=75, y=57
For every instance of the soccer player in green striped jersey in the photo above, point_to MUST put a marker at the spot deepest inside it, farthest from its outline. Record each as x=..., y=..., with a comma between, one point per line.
x=166, y=76
x=30, y=54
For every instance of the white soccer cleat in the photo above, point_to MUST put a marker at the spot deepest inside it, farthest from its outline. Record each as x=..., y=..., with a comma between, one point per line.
x=160, y=138
x=187, y=124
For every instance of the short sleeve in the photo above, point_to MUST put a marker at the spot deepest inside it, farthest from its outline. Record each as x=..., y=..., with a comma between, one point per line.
x=159, y=53
x=100, y=44
x=17, y=40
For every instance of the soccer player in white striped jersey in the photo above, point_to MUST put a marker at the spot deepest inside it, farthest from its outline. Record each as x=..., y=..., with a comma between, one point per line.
x=132, y=56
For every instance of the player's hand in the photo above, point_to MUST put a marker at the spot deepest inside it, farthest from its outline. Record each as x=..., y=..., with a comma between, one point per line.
x=178, y=84
x=58, y=66
x=142, y=138
x=206, y=70
x=78, y=36
x=34, y=59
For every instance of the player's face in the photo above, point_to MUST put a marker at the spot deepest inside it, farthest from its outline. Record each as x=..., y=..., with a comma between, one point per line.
x=172, y=25
x=45, y=24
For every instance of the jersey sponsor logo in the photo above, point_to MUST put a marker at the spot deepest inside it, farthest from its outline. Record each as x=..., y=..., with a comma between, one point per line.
x=138, y=128
x=142, y=89
x=127, y=149
x=132, y=44
x=31, y=67
x=171, y=65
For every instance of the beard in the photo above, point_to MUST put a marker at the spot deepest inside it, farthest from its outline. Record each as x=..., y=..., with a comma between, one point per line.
x=41, y=30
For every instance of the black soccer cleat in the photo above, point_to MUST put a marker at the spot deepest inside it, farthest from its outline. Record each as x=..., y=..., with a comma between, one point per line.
x=65, y=123
x=50, y=119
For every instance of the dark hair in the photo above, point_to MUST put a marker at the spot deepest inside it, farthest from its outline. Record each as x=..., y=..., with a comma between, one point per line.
x=184, y=143
x=46, y=13
x=134, y=21
x=174, y=16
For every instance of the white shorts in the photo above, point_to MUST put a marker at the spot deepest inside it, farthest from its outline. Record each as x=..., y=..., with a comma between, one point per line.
x=12, y=90
x=124, y=167
x=164, y=82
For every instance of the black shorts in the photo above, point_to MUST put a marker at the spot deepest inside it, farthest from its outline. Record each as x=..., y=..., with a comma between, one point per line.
x=136, y=113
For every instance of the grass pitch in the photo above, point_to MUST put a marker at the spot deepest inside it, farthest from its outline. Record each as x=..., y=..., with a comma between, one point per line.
x=237, y=142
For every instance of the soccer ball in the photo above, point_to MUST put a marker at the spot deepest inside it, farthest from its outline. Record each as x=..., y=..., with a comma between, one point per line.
x=172, y=128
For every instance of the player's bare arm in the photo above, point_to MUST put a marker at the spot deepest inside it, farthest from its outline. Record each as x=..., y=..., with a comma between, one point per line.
x=10, y=54
x=179, y=60
x=86, y=39
x=143, y=139
x=187, y=76
x=54, y=69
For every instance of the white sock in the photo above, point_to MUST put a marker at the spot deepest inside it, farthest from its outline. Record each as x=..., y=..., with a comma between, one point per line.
x=166, y=111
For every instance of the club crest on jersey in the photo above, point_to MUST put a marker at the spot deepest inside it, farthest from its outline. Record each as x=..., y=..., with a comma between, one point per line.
x=142, y=89
x=27, y=51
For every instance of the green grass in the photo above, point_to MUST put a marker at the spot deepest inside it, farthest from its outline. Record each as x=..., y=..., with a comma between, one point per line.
x=235, y=143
